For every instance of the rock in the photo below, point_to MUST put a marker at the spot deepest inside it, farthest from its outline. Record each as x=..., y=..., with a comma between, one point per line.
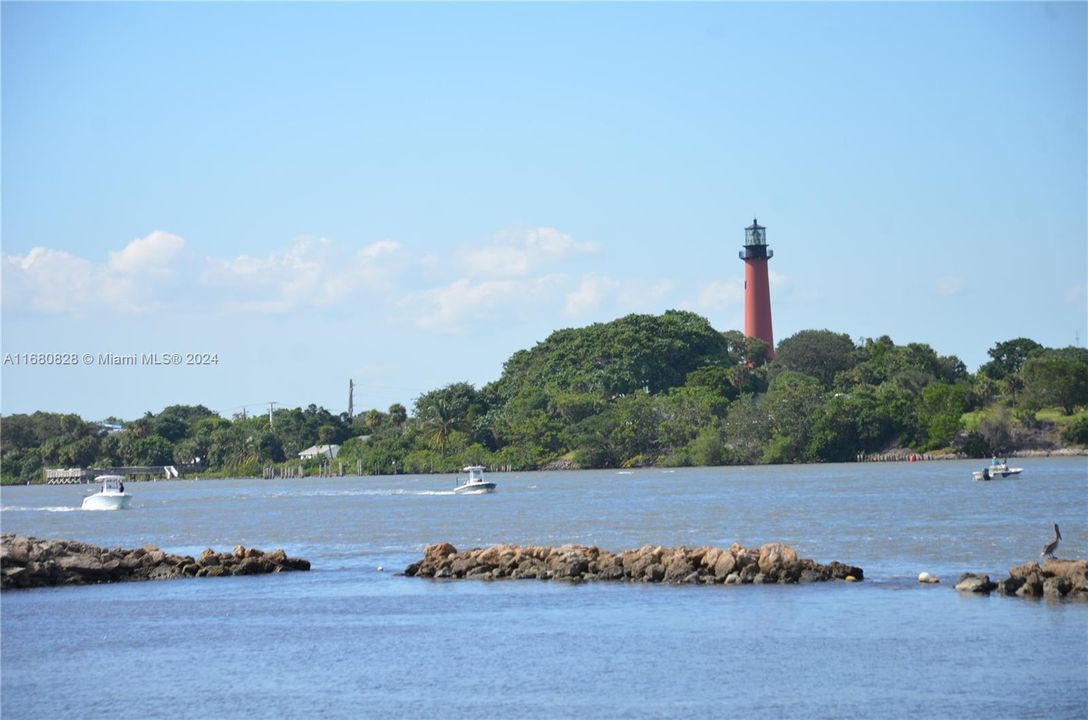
x=773, y=563
x=1030, y=590
x=609, y=567
x=654, y=573
x=724, y=565
x=17, y=551
x=212, y=571
x=208, y=558
x=1055, y=587
x=1009, y=586
x=438, y=552
x=1071, y=570
x=1026, y=570
x=744, y=556
x=773, y=556
x=14, y=577
x=636, y=561
x=839, y=571
x=1054, y=579
x=61, y=562
x=679, y=567
x=709, y=558
x=969, y=582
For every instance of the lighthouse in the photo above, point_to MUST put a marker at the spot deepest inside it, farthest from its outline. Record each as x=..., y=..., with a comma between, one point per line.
x=757, y=288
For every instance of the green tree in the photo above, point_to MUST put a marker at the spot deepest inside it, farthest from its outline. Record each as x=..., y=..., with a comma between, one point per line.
x=791, y=403
x=1008, y=357
x=372, y=420
x=708, y=448
x=191, y=451
x=270, y=448
x=685, y=411
x=756, y=351
x=151, y=450
x=940, y=412
x=1058, y=377
x=636, y=352
x=747, y=429
x=528, y=419
x=718, y=380
x=819, y=353
x=441, y=413
x=326, y=434
x=1076, y=433
x=398, y=413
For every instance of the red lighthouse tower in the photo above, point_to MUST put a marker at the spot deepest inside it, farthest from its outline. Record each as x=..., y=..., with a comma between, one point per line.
x=757, y=288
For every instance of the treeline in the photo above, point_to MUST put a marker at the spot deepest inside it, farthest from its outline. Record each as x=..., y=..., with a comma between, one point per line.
x=188, y=436
x=641, y=390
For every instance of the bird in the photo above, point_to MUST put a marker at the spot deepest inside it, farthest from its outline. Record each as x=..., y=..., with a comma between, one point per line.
x=1050, y=547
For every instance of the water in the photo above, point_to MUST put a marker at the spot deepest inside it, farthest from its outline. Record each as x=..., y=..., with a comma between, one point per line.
x=346, y=640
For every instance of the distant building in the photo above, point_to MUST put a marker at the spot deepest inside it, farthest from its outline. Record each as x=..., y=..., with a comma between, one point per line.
x=325, y=451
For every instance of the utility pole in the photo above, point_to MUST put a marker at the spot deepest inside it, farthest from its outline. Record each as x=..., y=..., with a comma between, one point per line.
x=351, y=398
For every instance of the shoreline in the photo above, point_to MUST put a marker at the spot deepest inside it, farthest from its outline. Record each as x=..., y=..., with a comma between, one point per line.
x=903, y=456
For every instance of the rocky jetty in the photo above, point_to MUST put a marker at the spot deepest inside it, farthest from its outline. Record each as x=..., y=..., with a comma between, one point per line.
x=1053, y=579
x=771, y=563
x=28, y=562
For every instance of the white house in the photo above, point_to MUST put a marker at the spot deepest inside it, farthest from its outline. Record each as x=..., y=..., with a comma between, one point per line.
x=325, y=451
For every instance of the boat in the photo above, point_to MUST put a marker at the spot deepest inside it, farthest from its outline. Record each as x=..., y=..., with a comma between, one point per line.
x=475, y=484
x=112, y=496
x=998, y=468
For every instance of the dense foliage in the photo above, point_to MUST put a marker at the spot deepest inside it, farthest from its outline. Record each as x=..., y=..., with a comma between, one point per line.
x=643, y=389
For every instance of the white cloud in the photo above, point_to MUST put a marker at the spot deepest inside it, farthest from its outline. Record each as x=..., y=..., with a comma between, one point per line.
x=449, y=309
x=152, y=254
x=311, y=272
x=139, y=278
x=48, y=281
x=642, y=296
x=718, y=295
x=158, y=271
x=590, y=294
x=517, y=254
x=596, y=294
x=949, y=285
x=444, y=309
x=508, y=279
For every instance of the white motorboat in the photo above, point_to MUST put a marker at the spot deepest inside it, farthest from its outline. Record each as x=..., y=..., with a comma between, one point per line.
x=475, y=484
x=998, y=468
x=112, y=496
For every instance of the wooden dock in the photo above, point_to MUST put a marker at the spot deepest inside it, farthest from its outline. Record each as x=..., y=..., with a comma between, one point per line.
x=75, y=476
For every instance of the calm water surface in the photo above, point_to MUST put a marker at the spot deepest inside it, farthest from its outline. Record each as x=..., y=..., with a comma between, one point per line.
x=347, y=640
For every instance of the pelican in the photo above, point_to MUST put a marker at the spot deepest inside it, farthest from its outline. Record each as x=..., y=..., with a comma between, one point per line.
x=1050, y=547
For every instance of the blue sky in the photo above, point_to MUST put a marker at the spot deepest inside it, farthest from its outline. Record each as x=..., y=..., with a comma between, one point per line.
x=406, y=194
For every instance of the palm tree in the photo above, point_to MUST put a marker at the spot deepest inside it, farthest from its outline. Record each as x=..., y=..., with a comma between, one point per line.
x=438, y=423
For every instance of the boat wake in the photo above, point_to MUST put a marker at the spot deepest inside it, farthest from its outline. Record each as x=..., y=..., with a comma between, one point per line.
x=19, y=508
x=384, y=492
